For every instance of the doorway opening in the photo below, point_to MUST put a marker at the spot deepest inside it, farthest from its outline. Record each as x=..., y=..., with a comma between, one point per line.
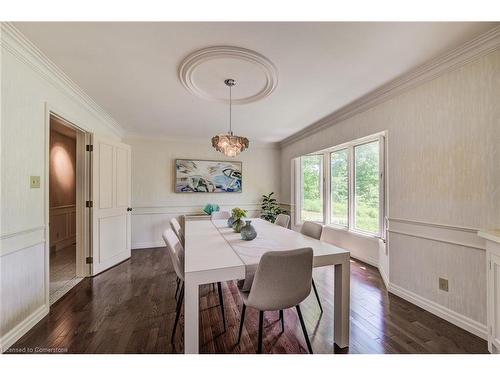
x=67, y=242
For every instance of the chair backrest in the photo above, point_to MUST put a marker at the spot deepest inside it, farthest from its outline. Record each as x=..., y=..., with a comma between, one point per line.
x=312, y=229
x=282, y=280
x=174, y=224
x=176, y=251
x=331, y=236
x=282, y=220
x=221, y=215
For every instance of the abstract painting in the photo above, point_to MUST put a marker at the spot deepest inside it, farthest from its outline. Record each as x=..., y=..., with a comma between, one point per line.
x=207, y=176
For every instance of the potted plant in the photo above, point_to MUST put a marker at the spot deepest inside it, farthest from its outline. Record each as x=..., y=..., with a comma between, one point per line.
x=238, y=214
x=270, y=208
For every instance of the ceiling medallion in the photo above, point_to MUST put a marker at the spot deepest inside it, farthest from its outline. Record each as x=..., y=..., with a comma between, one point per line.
x=230, y=144
x=258, y=72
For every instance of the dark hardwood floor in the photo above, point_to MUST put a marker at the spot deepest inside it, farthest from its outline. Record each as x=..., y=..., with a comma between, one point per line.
x=131, y=309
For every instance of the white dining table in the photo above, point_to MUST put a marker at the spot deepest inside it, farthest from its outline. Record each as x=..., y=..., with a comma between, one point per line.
x=215, y=253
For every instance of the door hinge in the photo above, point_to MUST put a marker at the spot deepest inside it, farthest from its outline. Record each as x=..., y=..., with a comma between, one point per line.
x=89, y=260
x=89, y=204
x=90, y=148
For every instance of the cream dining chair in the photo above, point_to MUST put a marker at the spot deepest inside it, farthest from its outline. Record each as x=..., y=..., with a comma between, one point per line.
x=176, y=252
x=314, y=230
x=282, y=220
x=174, y=224
x=282, y=280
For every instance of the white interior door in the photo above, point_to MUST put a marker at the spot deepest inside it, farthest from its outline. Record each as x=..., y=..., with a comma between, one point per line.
x=110, y=204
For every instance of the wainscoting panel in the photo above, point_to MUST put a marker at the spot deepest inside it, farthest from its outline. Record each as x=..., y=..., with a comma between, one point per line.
x=62, y=223
x=22, y=287
x=417, y=263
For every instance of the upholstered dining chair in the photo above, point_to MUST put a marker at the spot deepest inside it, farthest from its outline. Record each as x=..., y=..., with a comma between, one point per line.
x=282, y=220
x=220, y=215
x=282, y=280
x=176, y=226
x=176, y=252
x=314, y=230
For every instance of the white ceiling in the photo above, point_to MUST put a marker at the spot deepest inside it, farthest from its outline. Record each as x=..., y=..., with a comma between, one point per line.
x=131, y=69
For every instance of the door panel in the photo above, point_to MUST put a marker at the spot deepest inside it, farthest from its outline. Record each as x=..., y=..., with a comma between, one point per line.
x=122, y=176
x=106, y=167
x=112, y=237
x=111, y=194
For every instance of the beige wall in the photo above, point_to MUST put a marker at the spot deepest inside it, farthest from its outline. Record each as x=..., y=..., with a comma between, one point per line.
x=154, y=201
x=443, y=141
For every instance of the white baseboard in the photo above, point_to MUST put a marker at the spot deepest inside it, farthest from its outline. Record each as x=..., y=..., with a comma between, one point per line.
x=451, y=316
x=369, y=260
x=385, y=277
x=146, y=245
x=18, y=331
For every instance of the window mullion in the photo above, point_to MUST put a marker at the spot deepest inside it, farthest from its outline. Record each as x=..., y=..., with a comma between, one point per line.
x=350, y=182
x=327, y=193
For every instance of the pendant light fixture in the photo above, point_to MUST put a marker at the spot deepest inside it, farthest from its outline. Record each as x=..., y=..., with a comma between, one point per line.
x=230, y=144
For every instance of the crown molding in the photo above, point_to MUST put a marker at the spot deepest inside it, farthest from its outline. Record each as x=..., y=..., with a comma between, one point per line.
x=15, y=42
x=469, y=51
x=205, y=141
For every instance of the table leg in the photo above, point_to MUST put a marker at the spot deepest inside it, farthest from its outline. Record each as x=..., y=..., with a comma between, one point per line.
x=191, y=316
x=342, y=304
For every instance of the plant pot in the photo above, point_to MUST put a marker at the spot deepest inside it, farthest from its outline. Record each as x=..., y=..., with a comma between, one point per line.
x=237, y=225
x=230, y=222
x=248, y=232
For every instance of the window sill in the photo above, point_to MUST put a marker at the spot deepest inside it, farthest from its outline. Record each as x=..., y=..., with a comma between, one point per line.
x=368, y=236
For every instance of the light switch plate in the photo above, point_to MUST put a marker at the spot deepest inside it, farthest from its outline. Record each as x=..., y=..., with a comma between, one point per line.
x=35, y=182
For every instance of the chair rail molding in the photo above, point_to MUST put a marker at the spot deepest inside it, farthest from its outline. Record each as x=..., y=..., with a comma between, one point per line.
x=444, y=63
x=188, y=209
x=23, y=49
x=455, y=235
x=12, y=242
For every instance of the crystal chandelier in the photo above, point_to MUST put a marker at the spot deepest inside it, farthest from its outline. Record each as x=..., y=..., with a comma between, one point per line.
x=229, y=144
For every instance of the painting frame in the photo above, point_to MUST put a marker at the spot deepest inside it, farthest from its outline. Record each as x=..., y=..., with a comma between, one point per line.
x=176, y=175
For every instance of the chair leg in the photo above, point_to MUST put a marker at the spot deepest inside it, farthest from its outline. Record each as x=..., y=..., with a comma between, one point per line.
x=304, y=330
x=178, y=312
x=242, y=319
x=317, y=295
x=261, y=326
x=282, y=318
x=221, y=300
x=177, y=288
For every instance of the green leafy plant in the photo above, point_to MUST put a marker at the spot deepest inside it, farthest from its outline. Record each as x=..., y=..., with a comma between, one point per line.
x=270, y=208
x=238, y=214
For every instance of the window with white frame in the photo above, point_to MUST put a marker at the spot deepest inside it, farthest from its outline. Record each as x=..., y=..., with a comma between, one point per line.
x=311, y=197
x=344, y=186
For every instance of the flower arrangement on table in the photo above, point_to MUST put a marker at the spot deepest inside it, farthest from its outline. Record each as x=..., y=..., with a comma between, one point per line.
x=238, y=214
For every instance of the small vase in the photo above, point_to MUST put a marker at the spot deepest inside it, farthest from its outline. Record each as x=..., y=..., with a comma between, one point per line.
x=230, y=222
x=237, y=225
x=248, y=232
